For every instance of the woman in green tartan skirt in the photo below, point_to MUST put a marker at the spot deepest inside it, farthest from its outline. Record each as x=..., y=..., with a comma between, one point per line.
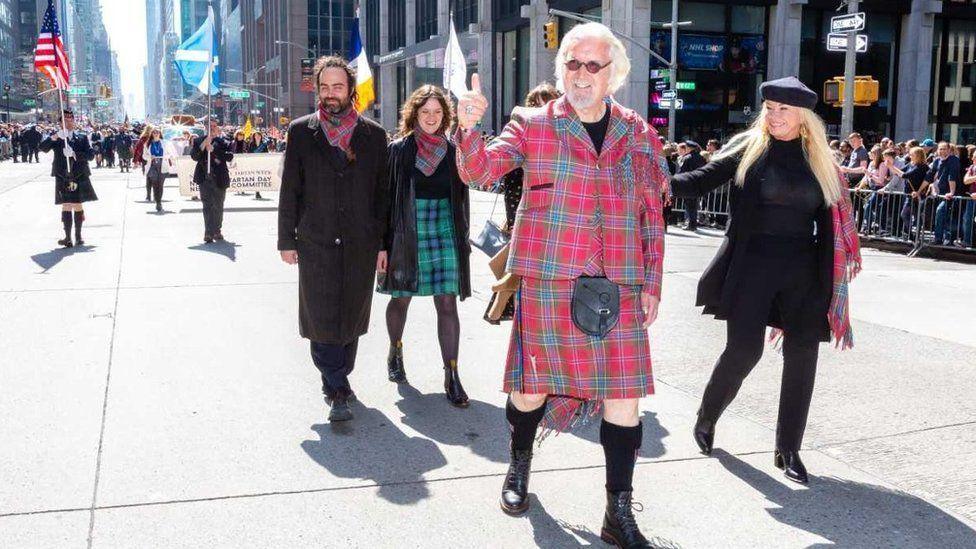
x=426, y=240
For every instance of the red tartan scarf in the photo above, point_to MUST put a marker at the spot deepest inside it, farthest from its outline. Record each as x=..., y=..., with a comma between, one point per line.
x=847, y=265
x=431, y=149
x=339, y=127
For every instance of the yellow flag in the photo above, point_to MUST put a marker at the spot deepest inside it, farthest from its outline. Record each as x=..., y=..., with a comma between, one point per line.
x=248, y=129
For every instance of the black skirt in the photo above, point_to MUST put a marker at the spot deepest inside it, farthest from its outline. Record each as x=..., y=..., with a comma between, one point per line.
x=83, y=193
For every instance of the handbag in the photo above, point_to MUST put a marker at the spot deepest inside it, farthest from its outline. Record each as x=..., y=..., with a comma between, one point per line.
x=491, y=239
x=596, y=305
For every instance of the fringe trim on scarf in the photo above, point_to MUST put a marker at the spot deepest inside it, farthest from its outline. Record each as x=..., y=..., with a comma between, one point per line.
x=564, y=413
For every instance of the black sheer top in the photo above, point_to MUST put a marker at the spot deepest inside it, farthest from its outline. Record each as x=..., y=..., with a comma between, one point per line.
x=790, y=197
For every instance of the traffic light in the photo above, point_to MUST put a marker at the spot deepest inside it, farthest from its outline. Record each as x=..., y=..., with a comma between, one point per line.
x=866, y=91
x=108, y=92
x=551, y=35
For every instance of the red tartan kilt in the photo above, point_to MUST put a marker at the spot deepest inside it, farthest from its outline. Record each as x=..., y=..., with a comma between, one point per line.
x=558, y=359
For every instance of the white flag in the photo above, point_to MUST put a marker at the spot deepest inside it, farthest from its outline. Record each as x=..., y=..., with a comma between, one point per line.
x=455, y=68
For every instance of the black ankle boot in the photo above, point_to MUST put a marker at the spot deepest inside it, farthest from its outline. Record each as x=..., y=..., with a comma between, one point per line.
x=704, y=435
x=515, y=492
x=793, y=468
x=394, y=364
x=452, y=386
x=619, y=525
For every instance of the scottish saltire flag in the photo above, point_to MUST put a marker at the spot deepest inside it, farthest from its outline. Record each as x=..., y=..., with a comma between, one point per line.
x=364, y=76
x=197, y=60
x=49, y=55
x=455, y=67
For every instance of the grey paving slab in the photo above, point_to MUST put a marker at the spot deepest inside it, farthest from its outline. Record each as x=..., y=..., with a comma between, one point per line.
x=46, y=531
x=54, y=348
x=729, y=502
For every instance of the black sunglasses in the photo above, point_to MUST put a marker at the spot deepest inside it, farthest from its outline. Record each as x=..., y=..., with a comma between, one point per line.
x=592, y=67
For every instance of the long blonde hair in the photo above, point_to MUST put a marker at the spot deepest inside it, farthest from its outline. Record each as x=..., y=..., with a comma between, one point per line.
x=753, y=143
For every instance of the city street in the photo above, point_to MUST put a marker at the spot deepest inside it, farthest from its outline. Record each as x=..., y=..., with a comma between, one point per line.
x=155, y=392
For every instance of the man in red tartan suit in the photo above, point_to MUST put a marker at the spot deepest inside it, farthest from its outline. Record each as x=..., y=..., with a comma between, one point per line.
x=591, y=207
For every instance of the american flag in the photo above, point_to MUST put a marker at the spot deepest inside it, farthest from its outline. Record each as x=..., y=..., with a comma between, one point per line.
x=49, y=56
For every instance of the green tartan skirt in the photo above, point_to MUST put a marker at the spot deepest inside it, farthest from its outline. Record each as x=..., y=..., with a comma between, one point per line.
x=437, y=258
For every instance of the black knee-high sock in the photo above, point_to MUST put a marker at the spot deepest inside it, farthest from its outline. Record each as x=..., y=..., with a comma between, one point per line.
x=66, y=221
x=620, y=445
x=79, y=219
x=524, y=425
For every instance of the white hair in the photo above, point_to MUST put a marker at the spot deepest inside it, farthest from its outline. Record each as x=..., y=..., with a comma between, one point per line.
x=620, y=63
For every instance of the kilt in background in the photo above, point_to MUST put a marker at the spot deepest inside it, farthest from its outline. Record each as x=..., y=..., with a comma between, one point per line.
x=548, y=354
x=437, y=257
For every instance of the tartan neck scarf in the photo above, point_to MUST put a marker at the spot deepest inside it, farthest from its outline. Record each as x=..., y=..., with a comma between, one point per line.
x=431, y=149
x=339, y=127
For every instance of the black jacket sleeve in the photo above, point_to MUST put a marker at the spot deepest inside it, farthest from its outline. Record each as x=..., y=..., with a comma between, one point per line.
x=392, y=169
x=290, y=195
x=83, y=149
x=705, y=179
x=196, y=153
x=48, y=144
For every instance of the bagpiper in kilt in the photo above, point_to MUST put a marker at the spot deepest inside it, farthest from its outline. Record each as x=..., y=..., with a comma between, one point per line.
x=591, y=207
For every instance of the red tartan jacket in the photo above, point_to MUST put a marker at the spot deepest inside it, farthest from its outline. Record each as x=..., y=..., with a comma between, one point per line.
x=568, y=191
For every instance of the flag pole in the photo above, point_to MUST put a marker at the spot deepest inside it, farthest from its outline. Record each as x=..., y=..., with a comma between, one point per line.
x=210, y=81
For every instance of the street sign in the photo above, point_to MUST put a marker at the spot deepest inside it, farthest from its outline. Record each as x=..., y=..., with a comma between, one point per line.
x=239, y=94
x=685, y=86
x=308, y=65
x=838, y=42
x=259, y=104
x=30, y=102
x=669, y=94
x=101, y=103
x=666, y=104
x=661, y=73
x=852, y=22
x=660, y=86
x=77, y=90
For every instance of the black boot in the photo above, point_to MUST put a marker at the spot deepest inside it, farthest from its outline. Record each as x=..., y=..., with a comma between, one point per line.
x=79, y=219
x=793, y=468
x=619, y=525
x=394, y=363
x=515, y=492
x=66, y=222
x=452, y=386
x=704, y=435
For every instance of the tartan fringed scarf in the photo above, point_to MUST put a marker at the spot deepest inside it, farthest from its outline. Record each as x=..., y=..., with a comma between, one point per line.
x=565, y=413
x=847, y=265
x=431, y=150
x=339, y=127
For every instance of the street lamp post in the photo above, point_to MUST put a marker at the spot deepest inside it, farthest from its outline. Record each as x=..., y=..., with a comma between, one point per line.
x=6, y=98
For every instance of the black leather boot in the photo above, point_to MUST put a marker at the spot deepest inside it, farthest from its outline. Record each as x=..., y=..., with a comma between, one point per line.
x=793, y=468
x=704, y=435
x=394, y=364
x=515, y=492
x=619, y=525
x=452, y=386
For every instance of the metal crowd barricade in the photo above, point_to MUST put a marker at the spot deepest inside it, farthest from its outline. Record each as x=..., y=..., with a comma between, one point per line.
x=713, y=208
x=924, y=222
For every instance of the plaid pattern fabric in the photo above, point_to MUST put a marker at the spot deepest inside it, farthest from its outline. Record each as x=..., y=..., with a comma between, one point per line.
x=563, y=180
x=437, y=258
x=339, y=127
x=431, y=149
x=548, y=354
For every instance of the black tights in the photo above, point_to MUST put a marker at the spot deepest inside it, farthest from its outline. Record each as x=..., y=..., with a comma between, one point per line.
x=448, y=324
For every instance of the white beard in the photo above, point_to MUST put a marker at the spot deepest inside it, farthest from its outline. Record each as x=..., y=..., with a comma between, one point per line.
x=583, y=100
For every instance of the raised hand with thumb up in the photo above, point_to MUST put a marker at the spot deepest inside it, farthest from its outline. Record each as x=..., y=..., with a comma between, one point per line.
x=472, y=105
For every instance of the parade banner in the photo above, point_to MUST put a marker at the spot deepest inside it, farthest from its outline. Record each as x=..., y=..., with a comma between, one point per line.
x=248, y=172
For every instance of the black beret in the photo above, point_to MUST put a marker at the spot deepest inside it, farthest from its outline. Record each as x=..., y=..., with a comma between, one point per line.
x=790, y=91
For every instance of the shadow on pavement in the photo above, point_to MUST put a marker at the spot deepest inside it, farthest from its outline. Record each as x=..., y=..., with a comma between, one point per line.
x=853, y=514
x=48, y=260
x=225, y=248
x=481, y=427
x=372, y=448
x=551, y=533
x=652, y=443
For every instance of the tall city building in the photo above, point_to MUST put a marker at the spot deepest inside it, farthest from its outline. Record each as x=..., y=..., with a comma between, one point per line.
x=231, y=60
x=9, y=77
x=164, y=88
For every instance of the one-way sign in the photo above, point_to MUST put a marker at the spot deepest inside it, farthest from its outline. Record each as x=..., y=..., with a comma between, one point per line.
x=848, y=23
x=838, y=42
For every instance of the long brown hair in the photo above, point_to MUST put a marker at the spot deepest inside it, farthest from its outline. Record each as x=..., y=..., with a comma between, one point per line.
x=541, y=94
x=411, y=109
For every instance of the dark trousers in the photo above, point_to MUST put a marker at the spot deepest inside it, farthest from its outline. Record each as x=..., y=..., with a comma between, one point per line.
x=36, y=153
x=691, y=211
x=25, y=155
x=212, y=197
x=785, y=281
x=335, y=363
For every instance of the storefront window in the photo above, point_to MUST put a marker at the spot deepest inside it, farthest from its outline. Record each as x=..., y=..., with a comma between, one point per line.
x=515, y=71
x=749, y=19
x=956, y=73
